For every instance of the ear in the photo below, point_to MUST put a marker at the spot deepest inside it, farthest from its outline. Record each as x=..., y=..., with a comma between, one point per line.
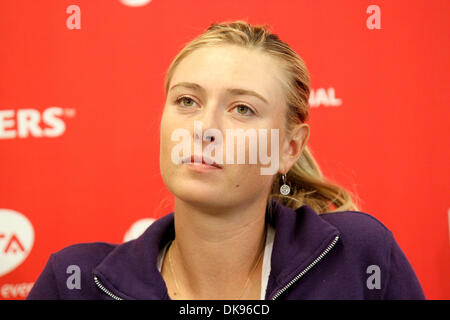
x=293, y=147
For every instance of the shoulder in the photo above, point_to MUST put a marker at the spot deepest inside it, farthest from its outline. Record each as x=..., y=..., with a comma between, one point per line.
x=83, y=255
x=356, y=223
x=367, y=242
x=77, y=259
x=361, y=233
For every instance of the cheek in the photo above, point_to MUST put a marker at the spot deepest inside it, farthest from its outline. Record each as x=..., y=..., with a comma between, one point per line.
x=167, y=127
x=246, y=178
x=166, y=143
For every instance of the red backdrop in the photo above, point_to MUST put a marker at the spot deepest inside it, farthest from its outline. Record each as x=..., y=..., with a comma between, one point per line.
x=81, y=96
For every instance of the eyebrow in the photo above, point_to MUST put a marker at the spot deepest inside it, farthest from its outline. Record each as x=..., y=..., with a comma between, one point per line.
x=233, y=91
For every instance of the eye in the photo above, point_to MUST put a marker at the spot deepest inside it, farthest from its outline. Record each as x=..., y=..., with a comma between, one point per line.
x=242, y=110
x=185, y=98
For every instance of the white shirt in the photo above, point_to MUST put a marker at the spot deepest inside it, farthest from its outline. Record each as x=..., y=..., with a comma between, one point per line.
x=270, y=235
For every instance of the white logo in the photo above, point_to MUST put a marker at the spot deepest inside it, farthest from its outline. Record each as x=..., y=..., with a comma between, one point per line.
x=137, y=229
x=16, y=239
x=324, y=97
x=135, y=3
x=24, y=123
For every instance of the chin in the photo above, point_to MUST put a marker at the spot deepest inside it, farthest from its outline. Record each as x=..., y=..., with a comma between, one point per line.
x=197, y=191
x=203, y=202
x=201, y=195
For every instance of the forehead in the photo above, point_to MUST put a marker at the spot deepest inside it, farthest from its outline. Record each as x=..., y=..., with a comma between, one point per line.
x=218, y=68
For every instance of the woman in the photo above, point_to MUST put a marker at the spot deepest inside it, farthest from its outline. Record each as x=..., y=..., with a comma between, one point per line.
x=236, y=233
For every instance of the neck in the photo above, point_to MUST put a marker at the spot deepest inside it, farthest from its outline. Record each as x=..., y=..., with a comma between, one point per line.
x=214, y=252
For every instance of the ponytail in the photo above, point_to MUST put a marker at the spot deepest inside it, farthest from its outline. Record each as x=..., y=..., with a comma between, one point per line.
x=308, y=186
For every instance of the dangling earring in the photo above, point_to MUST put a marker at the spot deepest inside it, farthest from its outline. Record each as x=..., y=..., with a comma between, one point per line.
x=284, y=189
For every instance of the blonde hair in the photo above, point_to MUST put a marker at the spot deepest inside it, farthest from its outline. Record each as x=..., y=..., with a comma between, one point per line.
x=308, y=185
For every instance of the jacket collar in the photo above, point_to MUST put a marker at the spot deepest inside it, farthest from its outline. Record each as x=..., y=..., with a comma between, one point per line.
x=130, y=270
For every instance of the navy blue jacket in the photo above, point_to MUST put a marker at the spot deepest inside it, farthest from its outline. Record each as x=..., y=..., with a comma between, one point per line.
x=338, y=255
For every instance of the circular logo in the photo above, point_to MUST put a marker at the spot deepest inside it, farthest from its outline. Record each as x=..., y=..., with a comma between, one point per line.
x=16, y=239
x=135, y=3
x=137, y=229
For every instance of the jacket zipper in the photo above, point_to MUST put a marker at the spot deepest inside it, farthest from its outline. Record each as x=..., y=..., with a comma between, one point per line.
x=312, y=264
x=109, y=293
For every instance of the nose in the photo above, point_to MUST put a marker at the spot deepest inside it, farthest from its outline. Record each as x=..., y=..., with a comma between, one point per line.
x=210, y=120
x=208, y=138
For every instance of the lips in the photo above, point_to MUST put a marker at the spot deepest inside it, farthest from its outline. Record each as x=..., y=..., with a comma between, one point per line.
x=203, y=159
